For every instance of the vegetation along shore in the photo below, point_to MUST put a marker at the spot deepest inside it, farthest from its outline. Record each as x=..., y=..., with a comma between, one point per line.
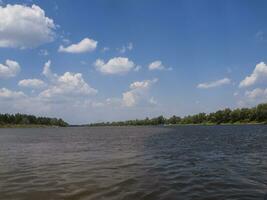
x=29, y=121
x=254, y=115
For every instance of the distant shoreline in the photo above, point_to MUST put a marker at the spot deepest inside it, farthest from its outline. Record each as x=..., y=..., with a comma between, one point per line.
x=95, y=126
x=29, y=121
x=238, y=116
x=213, y=124
x=173, y=125
x=27, y=126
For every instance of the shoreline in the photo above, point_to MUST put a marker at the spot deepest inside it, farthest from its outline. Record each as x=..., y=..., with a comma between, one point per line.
x=27, y=126
x=170, y=125
x=149, y=125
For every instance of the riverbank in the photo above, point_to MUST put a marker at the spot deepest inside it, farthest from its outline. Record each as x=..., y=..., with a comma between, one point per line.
x=166, y=125
x=222, y=124
x=27, y=126
x=170, y=125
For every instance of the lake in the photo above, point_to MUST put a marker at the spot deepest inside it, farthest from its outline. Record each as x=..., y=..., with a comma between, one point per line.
x=131, y=163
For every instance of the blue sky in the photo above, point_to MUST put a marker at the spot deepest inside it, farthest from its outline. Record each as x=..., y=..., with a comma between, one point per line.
x=122, y=59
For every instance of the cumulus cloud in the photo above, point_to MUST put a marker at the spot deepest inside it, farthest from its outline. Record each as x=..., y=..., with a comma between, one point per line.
x=256, y=93
x=64, y=96
x=86, y=45
x=157, y=65
x=9, y=69
x=252, y=97
x=259, y=74
x=47, y=71
x=117, y=65
x=24, y=27
x=69, y=84
x=138, y=92
x=32, y=83
x=9, y=94
x=224, y=81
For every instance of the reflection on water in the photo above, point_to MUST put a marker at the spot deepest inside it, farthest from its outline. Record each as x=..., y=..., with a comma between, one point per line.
x=189, y=162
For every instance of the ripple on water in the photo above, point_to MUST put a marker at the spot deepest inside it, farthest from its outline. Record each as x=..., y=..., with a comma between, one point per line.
x=189, y=162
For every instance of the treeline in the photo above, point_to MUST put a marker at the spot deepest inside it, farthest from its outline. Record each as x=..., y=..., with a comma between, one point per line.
x=256, y=114
x=22, y=119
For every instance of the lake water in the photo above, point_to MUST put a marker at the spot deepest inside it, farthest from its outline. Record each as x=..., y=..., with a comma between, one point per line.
x=132, y=163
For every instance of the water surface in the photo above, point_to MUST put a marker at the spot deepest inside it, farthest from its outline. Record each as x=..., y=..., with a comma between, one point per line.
x=186, y=162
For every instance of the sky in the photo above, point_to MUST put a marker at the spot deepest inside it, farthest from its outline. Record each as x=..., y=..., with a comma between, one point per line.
x=108, y=60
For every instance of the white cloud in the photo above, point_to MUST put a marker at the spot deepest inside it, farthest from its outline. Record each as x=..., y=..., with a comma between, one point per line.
x=157, y=65
x=252, y=97
x=129, y=98
x=86, y=45
x=146, y=84
x=124, y=48
x=9, y=94
x=224, y=81
x=117, y=65
x=47, y=71
x=32, y=83
x=138, y=92
x=68, y=85
x=256, y=93
x=9, y=69
x=259, y=74
x=65, y=96
x=24, y=27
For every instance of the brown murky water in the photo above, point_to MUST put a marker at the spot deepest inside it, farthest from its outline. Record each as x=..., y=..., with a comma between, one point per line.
x=187, y=162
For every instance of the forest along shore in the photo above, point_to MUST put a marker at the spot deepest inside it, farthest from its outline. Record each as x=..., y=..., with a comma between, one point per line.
x=29, y=121
x=239, y=116
x=254, y=115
